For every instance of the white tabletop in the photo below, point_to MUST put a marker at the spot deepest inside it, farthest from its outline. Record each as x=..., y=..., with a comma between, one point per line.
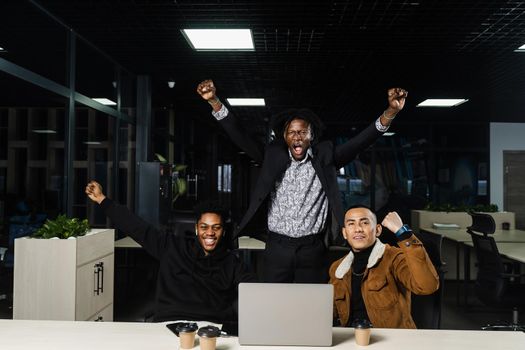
x=127, y=242
x=58, y=335
x=514, y=251
x=251, y=243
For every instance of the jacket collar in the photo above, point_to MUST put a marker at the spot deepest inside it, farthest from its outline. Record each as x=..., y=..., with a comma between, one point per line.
x=346, y=263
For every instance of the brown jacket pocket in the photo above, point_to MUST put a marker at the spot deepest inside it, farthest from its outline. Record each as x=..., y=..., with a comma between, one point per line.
x=380, y=293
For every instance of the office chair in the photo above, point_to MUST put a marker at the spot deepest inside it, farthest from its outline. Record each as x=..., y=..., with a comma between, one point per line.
x=426, y=309
x=496, y=285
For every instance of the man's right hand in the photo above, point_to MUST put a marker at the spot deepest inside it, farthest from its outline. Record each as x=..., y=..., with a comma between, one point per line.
x=94, y=192
x=207, y=90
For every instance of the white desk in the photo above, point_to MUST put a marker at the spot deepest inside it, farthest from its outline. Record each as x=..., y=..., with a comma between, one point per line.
x=58, y=335
x=127, y=242
x=514, y=251
x=249, y=243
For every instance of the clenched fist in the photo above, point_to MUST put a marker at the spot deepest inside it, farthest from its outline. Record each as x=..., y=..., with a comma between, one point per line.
x=397, y=98
x=392, y=221
x=207, y=90
x=94, y=192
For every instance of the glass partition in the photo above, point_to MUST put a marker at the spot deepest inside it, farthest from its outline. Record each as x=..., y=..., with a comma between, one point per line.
x=31, y=147
x=37, y=36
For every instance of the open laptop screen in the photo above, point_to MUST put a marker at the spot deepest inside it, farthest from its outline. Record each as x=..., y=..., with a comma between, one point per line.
x=285, y=314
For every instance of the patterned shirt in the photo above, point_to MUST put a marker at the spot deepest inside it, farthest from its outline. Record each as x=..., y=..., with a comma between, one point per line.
x=298, y=204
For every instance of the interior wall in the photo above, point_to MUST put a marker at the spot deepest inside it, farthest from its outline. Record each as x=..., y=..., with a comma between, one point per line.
x=503, y=137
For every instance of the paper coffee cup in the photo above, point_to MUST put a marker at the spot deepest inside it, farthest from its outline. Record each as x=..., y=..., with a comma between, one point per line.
x=208, y=337
x=362, y=331
x=187, y=340
x=208, y=343
x=187, y=333
x=362, y=336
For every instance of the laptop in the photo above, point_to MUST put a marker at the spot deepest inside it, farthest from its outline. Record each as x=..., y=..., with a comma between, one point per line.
x=285, y=314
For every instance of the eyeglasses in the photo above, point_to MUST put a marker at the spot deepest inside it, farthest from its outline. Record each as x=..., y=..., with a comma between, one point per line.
x=301, y=133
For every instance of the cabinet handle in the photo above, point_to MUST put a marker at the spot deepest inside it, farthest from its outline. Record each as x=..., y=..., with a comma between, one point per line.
x=101, y=267
x=98, y=278
x=95, y=279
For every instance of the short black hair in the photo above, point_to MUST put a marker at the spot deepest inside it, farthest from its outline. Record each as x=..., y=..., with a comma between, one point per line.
x=211, y=206
x=357, y=206
x=280, y=121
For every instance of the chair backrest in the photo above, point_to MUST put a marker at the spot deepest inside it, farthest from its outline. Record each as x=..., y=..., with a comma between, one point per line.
x=432, y=243
x=426, y=309
x=482, y=223
x=490, y=283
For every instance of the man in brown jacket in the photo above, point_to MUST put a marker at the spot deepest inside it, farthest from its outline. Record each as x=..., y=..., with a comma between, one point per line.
x=374, y=281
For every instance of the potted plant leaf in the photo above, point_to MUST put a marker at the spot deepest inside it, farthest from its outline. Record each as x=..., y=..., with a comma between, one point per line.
x=62, y=227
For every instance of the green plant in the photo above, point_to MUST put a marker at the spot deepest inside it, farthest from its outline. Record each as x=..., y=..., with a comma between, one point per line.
x=62, y=227
x=490, y=208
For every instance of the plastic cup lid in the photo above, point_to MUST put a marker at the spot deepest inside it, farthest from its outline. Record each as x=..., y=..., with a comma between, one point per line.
x=209, y=332
x=362, y=324
x=185, y=327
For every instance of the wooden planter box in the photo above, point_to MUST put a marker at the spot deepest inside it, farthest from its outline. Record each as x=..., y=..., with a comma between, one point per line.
x=65, y=279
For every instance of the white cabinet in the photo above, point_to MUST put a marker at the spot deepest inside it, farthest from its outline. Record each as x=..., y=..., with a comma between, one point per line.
x=65, y=279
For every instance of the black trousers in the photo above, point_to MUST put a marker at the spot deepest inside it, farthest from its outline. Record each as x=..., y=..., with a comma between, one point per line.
x=299, y=260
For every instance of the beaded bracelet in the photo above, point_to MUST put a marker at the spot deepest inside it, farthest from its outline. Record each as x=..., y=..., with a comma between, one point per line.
x=389, y=118
x=216, y=101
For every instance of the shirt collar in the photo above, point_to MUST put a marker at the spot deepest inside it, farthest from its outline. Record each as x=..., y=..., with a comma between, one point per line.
x=309, y=154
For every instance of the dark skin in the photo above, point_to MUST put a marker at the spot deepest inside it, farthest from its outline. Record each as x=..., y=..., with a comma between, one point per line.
x=298, y=132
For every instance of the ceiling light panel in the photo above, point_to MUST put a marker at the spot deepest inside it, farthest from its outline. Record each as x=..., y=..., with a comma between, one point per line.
x=246, y=101
x=219, y=39
x=442, y=102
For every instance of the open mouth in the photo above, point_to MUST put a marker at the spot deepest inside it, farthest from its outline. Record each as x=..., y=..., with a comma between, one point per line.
x=297, y=149
x=358, y=238
x=209, y=241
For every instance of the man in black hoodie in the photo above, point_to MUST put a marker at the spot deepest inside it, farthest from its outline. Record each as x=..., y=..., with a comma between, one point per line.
x=198, y=275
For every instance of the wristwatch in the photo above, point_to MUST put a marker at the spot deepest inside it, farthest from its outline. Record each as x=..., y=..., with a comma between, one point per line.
x=403, y=229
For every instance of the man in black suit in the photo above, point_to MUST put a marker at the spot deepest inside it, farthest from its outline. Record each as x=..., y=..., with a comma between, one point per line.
x=296, y=202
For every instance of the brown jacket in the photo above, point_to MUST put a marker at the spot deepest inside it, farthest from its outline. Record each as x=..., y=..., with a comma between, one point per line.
x=391, y=275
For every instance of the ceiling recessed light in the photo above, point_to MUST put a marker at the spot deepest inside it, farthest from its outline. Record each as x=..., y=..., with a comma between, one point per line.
x=1, y=49
x=104, y=101
x=389, y=134
x=91, y=142
x=246, y=101
x=44, y=131
x=442, y=102
x=520, y=49
x=219, y=39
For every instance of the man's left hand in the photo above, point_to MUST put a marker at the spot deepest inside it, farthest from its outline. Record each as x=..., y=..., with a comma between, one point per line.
x=396, y=99
x=392, y=221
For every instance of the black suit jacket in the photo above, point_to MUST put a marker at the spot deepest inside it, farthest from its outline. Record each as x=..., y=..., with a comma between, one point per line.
x=327, y=159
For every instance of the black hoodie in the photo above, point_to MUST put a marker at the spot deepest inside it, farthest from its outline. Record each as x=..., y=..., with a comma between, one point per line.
x=190, y=284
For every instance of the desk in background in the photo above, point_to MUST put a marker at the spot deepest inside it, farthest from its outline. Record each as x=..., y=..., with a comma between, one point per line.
x=58, y=335
x=510, y=243
x=245, y=243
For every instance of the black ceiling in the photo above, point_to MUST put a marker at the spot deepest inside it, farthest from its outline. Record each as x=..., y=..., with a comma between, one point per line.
x=336, y=57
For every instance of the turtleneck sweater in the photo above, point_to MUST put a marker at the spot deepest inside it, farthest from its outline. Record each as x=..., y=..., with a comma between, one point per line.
x=357, y=308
